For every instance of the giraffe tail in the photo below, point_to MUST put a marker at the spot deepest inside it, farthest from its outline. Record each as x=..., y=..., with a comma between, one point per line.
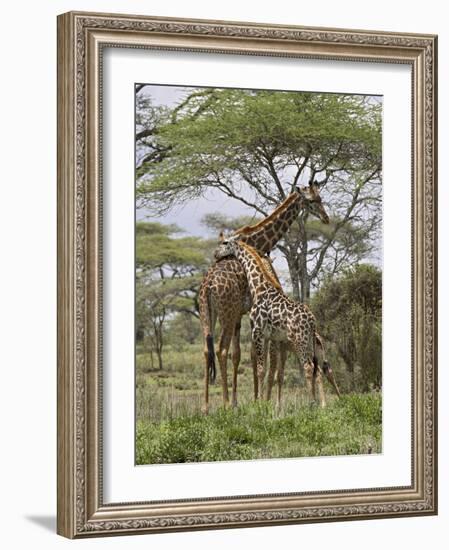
x=315, y=366
x=207, y=324
x=327, y=369
x=318, y=350
x=211, y=358
x=329, y=373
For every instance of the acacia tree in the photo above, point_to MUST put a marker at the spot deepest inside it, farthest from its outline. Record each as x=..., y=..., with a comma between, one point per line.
x=218, y=222
x=256, y=147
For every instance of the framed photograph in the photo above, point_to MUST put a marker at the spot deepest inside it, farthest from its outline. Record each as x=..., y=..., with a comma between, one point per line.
x=246, y=274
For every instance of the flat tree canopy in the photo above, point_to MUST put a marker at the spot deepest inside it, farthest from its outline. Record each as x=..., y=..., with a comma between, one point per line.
x=256, y=147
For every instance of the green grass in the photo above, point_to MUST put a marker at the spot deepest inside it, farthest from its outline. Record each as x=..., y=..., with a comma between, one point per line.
x=172, y=429
x=347, y=426
x=178, y=389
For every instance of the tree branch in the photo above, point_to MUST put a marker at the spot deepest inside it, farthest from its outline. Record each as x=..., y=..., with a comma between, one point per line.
x=340, y=224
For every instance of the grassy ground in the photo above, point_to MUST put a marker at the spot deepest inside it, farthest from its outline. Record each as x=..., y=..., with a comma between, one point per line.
x=171, y=428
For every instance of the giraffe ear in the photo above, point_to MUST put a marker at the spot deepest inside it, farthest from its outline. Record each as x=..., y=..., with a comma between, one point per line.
x=221, y=236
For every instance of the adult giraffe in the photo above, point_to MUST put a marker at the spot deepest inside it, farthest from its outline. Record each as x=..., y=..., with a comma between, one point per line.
x=224, y=293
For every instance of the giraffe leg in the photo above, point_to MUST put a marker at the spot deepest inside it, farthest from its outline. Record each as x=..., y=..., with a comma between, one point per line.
x=273, y=354
x=254, y=368
x=235, y=361
x=318, y=383
x=205, y=407
x=280, y=381
x=308, y=372
x=260, y=349
x=305, y=359
x=209, y=362
x=225, y=341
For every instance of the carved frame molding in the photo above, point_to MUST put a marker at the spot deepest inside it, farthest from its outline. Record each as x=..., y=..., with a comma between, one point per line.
x=81, y=37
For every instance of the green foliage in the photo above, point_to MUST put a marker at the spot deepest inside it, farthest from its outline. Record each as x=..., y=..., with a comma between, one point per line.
x=217, y=222
x=169, y=269
x=351, y=425
x=255, y=146
x=223, y=133
x=158, y=247
x=171, y=428
x=349, y=313
x=184, y=331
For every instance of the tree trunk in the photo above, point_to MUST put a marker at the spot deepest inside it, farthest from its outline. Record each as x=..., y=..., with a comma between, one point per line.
x=295, y=251
x=158, y=341
x=159, y=357
x=290, y=250
x=304, y=276
x=302, y=261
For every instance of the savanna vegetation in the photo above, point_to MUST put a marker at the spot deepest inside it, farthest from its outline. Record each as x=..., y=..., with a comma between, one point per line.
x=255, y=147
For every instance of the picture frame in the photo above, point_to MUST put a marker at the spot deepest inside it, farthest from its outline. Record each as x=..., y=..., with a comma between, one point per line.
x=82, y=40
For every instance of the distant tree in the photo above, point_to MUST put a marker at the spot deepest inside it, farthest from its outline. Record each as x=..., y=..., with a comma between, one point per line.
x=184, y=329
x=163, y=249
x=349, y=314
x=255, y=147
x=217, y=222
x=168, y=273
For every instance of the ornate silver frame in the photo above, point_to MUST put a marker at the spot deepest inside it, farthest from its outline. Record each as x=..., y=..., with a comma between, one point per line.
x=81, y=37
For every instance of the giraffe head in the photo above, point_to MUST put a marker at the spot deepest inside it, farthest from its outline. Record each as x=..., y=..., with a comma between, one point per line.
x=264, y=235
x=227, y=246
x=312, y=201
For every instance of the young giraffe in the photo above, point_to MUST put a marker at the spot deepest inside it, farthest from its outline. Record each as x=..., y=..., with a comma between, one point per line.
x=280, y=349
x=274, y=316
x=224, y=291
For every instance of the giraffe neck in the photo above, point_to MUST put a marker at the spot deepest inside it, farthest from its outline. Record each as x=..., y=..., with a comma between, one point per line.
x=259, y=278
x=265, y=235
